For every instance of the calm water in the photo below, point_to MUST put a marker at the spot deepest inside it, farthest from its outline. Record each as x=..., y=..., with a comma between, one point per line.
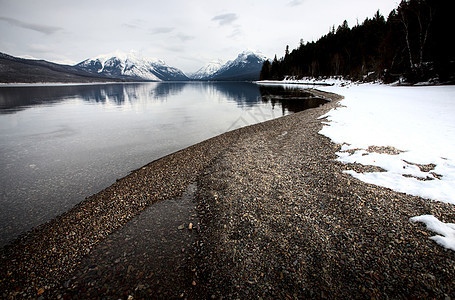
x=60, y=144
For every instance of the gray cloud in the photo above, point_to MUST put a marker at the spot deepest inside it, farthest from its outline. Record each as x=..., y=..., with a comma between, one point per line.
x=225, y=19
x=160, y=30
x=295, y=2
x=184, y=37
x=130, y=25
x=135, y=24
x=235, y=33
x=36, y=27
x=40, y=48
x=174, y=48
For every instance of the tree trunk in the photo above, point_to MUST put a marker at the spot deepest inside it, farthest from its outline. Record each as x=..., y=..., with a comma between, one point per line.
x=408, y=44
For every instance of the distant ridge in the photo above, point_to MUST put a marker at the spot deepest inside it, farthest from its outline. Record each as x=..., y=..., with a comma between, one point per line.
x=118, y=67
x=20, y=70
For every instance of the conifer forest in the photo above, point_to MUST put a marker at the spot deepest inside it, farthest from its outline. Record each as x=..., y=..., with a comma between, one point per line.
x=414, y=44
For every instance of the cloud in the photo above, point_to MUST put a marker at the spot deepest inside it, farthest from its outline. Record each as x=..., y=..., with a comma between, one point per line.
x=225, y=19
x=161, y=30
x=36, y=27
x=40, y=48
x=236, y=32
x=135, y=24
x=130, y=25
x=184, y=37
x=295, y=2
x=174, y=48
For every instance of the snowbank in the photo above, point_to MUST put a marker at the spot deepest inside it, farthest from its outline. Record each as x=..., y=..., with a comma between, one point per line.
x=418, y=122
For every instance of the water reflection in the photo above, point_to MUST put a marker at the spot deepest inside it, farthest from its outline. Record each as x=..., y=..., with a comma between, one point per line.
x=13, y=99
x=246, y=94
x=290, y=98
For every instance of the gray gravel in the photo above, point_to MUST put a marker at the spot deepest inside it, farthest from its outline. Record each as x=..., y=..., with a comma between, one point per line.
x=275, y=218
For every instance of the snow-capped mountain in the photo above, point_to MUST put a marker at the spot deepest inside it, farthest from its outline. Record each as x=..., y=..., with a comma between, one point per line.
x=131, y=65
x=247, y=66
x=208, y=70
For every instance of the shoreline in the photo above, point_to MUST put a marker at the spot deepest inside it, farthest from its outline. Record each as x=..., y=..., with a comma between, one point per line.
x=274, y=208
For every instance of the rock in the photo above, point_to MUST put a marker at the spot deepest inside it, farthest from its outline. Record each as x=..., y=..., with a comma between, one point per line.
x=181, y=227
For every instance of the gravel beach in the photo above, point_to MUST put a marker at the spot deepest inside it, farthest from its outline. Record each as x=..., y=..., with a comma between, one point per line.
x=260, y=212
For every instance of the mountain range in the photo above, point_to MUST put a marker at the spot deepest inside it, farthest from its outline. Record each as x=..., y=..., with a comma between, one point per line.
x=131, y=66
x=126, y=67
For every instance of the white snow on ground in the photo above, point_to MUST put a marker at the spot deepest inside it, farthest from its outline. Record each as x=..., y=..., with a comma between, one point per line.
x=417, y=120
x=420, y=121
x=336, y=80
x=446, y=230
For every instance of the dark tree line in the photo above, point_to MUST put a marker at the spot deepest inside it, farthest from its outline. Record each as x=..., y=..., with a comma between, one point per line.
x=415, y=43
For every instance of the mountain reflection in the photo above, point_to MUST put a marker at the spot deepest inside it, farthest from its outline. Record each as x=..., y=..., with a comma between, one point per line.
x=245, y=94
x=13, y=99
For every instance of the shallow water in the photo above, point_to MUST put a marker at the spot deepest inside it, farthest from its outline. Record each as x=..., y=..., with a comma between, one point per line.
x=60, y=144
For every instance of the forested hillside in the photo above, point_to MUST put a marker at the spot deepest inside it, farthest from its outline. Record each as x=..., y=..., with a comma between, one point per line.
x=414, y=43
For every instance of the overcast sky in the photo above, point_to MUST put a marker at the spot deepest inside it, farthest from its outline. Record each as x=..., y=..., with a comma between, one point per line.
x=185, y=34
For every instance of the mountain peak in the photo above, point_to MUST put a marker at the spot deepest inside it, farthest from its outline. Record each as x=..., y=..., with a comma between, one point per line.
x=208, y=70
x=131, y=55
x=249, y=52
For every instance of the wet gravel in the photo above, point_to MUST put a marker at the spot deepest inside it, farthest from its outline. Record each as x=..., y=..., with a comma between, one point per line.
x=150, y=255
x=274, y=216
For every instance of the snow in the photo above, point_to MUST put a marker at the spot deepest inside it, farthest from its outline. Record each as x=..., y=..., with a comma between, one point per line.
x=446, y=230
x=242, y=58
x=123, y=56
x=336, y=80
x=418, y=121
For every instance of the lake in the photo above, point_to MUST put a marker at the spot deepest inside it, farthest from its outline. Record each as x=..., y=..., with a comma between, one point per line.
x=60, y=144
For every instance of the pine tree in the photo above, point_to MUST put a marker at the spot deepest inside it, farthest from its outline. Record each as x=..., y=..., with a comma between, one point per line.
x=265, y=71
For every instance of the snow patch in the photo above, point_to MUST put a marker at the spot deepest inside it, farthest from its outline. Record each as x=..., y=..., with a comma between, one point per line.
x=446, y=231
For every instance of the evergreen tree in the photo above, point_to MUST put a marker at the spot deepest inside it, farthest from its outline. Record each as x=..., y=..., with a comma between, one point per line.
x=265, y=71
